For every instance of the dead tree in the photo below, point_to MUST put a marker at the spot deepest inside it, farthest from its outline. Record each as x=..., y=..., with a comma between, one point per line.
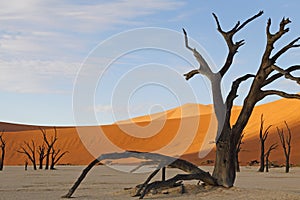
x=2, y=146
x=56, y=155
x=29, y=151
x=263, y=135
x=286, y=145
x=267, y=155
x=228, y=133
x=42, y=155
x=237, y=153
x=49, y=143
x=194, y=173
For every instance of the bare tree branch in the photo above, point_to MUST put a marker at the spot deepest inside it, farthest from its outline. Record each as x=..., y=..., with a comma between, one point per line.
x=233, y=94
x=286, y=74
x=279, y=93
x=193, y=170
x=228, y=36
x=249, y=20
x=282, y=73
x=271, y=39
x=190, y=74
x=267, y=154
x=285, y=48
x=204, y=67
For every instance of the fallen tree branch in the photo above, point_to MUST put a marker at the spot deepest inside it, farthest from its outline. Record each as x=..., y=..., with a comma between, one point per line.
x=195, y=172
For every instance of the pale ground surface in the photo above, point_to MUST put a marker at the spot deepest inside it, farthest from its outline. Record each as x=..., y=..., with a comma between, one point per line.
x=105, y=183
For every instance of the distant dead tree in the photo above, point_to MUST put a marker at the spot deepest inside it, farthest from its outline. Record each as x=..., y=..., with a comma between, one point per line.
x=238, y=151
x=42, y=155
x=2, y=146
x=29, y=151
x=49, y=143
x=56, y=155
x=286, y=145
x=262, y=137
x=26, y=164
x=270, y=149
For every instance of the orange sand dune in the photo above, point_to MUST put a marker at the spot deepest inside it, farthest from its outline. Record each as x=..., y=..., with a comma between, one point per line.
x=179, y=131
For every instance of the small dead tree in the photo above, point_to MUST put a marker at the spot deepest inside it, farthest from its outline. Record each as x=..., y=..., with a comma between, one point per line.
x=29, y=151
x=286, y=145
x=42, y=155
x=267, y=154
x=263, y=135
x=49, y=143
x=2, y=146
x=56, y=155
x=238, y=151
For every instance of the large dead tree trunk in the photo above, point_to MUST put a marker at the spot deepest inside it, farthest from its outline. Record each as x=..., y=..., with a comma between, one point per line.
x=228, y=135
x=2, y=146
x=286, y=145
x=263, y=135
x=267, y=155
x=195, y=173
x=29, y=151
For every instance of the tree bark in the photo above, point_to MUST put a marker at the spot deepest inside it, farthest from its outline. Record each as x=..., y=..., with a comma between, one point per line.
x=224, y=168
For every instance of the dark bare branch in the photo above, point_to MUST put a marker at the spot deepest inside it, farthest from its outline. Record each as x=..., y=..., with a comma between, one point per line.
x=234, y=88
x=271, y=39
x=219, y=28
x=282, y=30
x=190, y=74
x=3, y=142
x=232, y=95
x=286, y=74
x=267, y=154
x=186, y=40
x=279, y=93
x=143, y=186
x=285, y=48
x=176, y=180
x=281, y=137
x=271, y=148
x=249, y=20
x=228, y=36
x=283, y=73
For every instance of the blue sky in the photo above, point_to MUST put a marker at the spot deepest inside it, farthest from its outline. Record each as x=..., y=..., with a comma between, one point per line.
x=44, y=44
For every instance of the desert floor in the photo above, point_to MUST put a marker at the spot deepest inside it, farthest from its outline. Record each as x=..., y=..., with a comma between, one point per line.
x=107, y=183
